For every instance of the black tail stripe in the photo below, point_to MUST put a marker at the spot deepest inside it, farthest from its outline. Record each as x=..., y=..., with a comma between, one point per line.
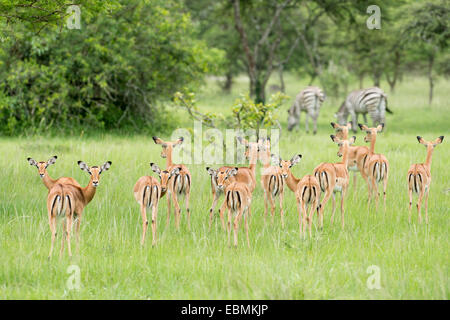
x=143, y=196
x=53, y=204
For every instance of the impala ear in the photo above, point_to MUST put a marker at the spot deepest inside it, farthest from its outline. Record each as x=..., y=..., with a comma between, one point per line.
x=52, y=160
x=155, y=168
x=158, y=140
x=438, y=141
x=335, y=126
x=175, y=171
x=363, y=127
x=380, y=127
x=179, y=141
x=105, y=166
x=32, y=162
x=83, y=166
x=295, y=159
x=421, y=140
x=211, y=171
x=334, y=138
x=233, y=172
x=352, y=140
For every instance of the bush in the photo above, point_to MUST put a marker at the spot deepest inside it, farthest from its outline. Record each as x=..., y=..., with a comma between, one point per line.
x=116, y=72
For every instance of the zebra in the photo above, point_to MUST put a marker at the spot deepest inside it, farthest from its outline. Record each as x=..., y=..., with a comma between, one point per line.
x=372, y=100
x=308, y=101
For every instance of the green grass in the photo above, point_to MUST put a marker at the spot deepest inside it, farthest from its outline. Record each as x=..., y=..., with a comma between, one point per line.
x=413, y=259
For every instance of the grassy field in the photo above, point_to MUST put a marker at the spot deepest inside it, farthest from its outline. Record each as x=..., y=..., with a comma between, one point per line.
x=413, y=259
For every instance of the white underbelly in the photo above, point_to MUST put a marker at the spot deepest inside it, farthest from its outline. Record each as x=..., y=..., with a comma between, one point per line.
x=337, y=188
x=353, y=168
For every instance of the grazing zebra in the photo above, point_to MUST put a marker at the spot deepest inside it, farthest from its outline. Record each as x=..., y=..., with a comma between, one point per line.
x=308, y=101
x=371, y=100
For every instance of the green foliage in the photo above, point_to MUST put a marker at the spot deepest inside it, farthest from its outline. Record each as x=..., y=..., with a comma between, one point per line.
x=115, y=72
x=251, y=115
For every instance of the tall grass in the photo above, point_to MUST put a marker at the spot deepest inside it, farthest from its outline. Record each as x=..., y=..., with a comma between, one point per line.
x=413, y=258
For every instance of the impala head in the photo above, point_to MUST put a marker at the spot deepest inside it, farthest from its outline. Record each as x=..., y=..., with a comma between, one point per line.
x=371, y=132
x=42, y=165
x=249, y=147
x=430, y=144
x=167, y=146
x=343, y=144
x=286, y=165
x=264, y=149
x=223, y=176
x=341, y=131
x=164, y=175
x=94, y=171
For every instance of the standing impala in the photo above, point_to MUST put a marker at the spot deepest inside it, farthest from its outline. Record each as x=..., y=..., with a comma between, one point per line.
x=272, y=180
x=222, y=175
x=69, y=200
x=46, y=179
x=376, y=167
x=147, y=192
x=419, y=177
x=333, y=177
x=178, y=184
x=238, y=198
x=357, y=155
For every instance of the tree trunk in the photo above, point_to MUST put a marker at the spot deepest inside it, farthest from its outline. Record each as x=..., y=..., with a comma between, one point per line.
x=361, y=80
x=280, y=73
x=430, y=77
x=260, y=91
x=228, y=82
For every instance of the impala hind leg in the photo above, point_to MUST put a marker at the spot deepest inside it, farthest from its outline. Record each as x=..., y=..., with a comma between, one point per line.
x=144, y=223
x=154, y=223
x=299, y=217
x=188, y=210
x=62, y=238
x=68, y=229
x=236, y=226
x=281, y=210
x=77, y=231
x=311, y=213
x=410, y=203
x=246, y=228
x=177, y=210
x=304, y=213
x=169, y=200
x=272, y=206
x=322, y=206
x=221, y=211
x=52, y=222
x=385, y=182
x=419, y=205
x=343, y=192
x=211, y=211
x=426, y=206
x=229, y=227
x=334, y=207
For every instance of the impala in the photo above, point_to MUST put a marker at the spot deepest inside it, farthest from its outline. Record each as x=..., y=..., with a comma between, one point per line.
x=357, y=155
x=222, y=174
x=307, y=194
x=272, y=180
x=179, y=184
x=376, y=167
x=69, y=201
x=42, y=169
x=419, y=177
x=147, y=192
x=246, y=175
x=238, y=198
x=333, y=177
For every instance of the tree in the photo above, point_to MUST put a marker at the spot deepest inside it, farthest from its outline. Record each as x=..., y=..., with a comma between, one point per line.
x=116, y=72
x=429, y=31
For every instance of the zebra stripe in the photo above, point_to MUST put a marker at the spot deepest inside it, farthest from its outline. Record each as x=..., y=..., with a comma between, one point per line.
x=308, y=100
x=372, y=101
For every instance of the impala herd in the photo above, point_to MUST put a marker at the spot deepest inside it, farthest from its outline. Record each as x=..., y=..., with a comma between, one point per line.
x=67, y=199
